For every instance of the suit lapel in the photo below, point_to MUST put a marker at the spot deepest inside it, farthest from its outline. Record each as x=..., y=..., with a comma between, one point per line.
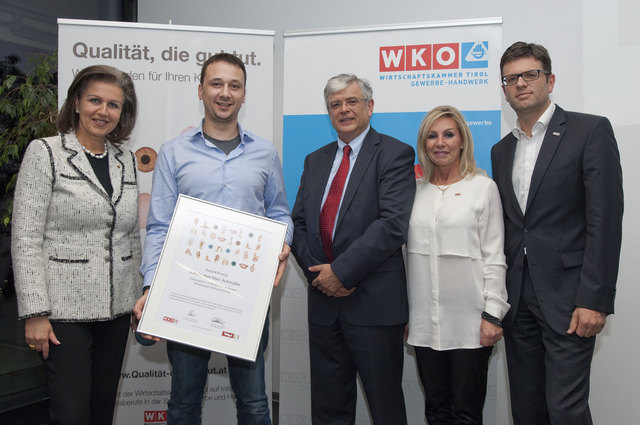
x=552, y=139
x=369, y=146
x=116, y=172
x=78, y=161
x=510, y=150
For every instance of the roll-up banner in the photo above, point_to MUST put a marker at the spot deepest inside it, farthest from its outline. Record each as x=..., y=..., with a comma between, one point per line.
x=412, y=68
x=164, y=61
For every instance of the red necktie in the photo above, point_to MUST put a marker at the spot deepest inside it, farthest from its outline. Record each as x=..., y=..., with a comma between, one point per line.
x=330, y=208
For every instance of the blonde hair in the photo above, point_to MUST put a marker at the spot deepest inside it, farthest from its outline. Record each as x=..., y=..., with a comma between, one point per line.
x=467, y=165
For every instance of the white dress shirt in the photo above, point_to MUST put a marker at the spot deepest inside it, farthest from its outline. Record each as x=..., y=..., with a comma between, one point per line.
x=455, y=263
x=356, y=145
x=526, y=154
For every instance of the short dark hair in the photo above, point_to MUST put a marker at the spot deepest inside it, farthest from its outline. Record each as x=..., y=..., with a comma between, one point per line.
x=68, y=119
x=223, y=57
x=520, y=49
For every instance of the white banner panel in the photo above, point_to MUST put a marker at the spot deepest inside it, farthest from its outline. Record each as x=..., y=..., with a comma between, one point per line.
x=164, y=62
x=412, y=68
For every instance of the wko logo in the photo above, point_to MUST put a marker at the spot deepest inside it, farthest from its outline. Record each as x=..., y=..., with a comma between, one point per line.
x=230, y=335
x=420, y=57
x=155, y=416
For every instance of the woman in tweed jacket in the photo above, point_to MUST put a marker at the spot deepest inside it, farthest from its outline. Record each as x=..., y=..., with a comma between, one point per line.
x=76, y=245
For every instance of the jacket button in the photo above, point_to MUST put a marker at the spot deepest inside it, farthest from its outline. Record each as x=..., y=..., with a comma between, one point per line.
x=526, y=230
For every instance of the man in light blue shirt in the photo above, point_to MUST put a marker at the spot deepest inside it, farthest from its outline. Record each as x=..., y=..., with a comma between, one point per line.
x=219, y=162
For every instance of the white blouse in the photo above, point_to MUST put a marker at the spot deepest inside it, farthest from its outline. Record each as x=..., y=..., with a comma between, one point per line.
x=455, y=263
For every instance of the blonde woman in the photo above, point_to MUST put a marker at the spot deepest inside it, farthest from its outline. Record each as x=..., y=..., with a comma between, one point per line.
x=456, y=271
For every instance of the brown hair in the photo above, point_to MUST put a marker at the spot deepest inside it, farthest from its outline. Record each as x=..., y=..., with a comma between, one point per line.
x=223, y=57
x=68, y=119
x=520, y=49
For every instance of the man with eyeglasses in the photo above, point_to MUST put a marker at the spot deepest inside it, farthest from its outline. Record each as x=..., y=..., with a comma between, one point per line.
x=351, y=218
x=560, y=181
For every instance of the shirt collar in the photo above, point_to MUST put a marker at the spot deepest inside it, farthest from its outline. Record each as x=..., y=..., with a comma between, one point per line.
x=356, y=143
x=198, y=132
x=541, y=124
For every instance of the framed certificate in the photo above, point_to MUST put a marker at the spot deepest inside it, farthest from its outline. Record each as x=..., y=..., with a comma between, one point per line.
x=214, y=278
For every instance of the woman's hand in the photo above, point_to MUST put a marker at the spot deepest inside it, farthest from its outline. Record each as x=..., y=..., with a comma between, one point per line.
x=37, y=334
x=490, y=334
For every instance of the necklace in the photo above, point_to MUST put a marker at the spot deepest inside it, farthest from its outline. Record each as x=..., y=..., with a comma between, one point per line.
x=443, y=188
x=95, y=155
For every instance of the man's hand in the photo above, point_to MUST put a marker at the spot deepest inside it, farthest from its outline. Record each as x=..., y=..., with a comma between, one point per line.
x=137, y=309
x=137, y=314
x=283, y=257
x=344, y=292
x=328, y=283
x=586, y=323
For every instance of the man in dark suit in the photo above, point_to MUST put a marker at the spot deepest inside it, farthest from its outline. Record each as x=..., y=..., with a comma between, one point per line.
x=350, y=218
x=560, y=182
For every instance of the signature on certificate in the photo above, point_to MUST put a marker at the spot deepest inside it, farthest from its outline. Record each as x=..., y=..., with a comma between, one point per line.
x=217, y=321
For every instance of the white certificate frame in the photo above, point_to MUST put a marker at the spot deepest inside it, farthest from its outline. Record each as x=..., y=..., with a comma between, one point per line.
x=213, y=281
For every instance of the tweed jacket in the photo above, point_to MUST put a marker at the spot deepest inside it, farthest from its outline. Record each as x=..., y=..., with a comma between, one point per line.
x=76, y=252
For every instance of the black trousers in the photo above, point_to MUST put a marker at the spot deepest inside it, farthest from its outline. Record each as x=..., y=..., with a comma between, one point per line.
x=548, y=372
x=84, y=370
x=455, y=384
x=341, y=351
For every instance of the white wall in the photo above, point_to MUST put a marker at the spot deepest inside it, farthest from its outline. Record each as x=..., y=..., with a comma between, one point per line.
x=595, y=48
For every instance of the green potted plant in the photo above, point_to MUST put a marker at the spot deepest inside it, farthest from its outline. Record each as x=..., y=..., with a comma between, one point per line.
x=28, y=110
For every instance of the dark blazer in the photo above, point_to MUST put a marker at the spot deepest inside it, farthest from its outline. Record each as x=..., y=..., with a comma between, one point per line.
x=371, y=227
x=572, y=225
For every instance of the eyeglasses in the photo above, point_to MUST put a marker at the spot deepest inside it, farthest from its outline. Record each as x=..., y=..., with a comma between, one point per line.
x=352, y=102
x=532, y=75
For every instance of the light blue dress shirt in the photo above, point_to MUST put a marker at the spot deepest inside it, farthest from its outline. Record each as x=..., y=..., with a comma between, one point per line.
x=249, y=179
